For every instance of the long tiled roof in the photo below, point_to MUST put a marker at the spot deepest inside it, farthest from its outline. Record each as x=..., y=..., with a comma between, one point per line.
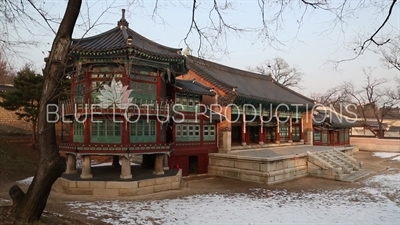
x=6, y=88
x=194, y=87
x=330, y=119
x=245, y=84
x=116, y=39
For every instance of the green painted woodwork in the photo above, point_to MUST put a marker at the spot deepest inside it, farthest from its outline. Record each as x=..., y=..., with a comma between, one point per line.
x=283, y=131
x=144, y=91
x=297, y=115
x=317, y=135
x=341, y=138
x=324, y=138
x=346, y=136
x=185, y=102
x=78, y=132
x=296, y=133
x=105, y=131
x=143, y=131
x=187, y=132
x=209, y=132
x=79, y=93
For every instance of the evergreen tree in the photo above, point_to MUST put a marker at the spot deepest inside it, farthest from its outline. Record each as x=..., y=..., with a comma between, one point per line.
x=25, y=100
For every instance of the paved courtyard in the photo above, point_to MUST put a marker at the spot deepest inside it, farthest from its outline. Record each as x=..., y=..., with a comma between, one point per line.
x=281, y=151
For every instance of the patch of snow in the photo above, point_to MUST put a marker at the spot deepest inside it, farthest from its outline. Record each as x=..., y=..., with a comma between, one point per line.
x=396, y=158
x=374, y=204
x=386, y=154
x=26, y=181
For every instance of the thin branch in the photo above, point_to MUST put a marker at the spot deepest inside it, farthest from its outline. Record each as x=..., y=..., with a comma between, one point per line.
x=42, y=15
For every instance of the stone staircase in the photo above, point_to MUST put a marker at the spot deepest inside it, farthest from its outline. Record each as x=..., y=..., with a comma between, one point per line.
x=334, y=164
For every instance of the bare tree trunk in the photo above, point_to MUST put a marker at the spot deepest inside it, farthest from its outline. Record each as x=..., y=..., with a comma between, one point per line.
x=51, y=165
x=34, y=123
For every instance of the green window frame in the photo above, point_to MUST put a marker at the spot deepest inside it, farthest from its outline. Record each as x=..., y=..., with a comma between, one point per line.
x=346, y=136
x=187, y=132
x=317, y=136
x=188, y=102
x=79, y=93
x=78, y=132
x=296, y=133
x=143, y=131
x=283, y=131
x=209, y=132
x=142, y=90
x=106, y=131
x=324, y=138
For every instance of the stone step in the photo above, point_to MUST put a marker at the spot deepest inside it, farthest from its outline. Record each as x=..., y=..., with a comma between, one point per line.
x=357, y=175
x=343, y=166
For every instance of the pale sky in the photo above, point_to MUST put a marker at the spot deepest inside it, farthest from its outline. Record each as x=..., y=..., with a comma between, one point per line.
x=308, y=47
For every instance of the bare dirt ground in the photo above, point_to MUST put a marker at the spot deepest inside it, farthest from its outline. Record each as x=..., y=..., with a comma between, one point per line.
x=203, y=185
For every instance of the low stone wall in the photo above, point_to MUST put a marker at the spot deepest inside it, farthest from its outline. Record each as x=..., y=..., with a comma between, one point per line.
x=375, y=144
x=117, y=188
x=261, y=170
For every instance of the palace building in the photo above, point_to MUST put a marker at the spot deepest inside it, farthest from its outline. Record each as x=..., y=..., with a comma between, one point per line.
x=132, y=96
x=258, y=109
x=123, y=92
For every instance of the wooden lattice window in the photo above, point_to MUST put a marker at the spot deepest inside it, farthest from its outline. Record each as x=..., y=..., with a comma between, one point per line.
x=209, y=132
x=143, y=131
x=105, y=131
x=78, y=132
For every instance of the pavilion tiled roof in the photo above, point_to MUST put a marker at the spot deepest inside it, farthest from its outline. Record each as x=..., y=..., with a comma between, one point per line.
x=245, y=85
x=116, y=40
x=331, y=120
x=193, y=87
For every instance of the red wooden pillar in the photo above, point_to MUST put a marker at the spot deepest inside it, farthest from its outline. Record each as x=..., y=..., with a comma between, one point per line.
x=277, y=138
x=243, y=131
x=125, y=131
x=88, y=86
x=261, y=132
x=260, y=135
x=87, y=128
x=290, y=129
x=71, y=131
x=301, y=130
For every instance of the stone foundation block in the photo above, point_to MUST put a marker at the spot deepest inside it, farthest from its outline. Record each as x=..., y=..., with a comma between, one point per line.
x=121, y=185
x=163, y=180
x=105, y=192
x=72, y=184
x=291, y=163
x=78, y=191
x=279, y=165
x=175, y=185
x=222, y=162
x=144, y=190
x=247, y=165
x=146, y=183
x=97, y=184
x=83, y=184
x=162, y=187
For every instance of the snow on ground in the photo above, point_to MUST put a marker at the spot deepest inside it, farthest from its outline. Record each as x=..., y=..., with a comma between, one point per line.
x=26, y=181
x=386, y=154
x=377, y=203
x=396, y=158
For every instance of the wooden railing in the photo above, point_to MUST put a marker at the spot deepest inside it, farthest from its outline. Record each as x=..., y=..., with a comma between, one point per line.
x=115, y=148
x=93, y=105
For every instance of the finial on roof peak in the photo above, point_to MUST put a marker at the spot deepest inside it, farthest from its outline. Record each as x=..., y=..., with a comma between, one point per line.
x=187, y=51
x=122, y=21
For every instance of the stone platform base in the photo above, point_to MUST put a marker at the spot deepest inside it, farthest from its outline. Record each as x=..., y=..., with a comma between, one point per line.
x=268, y=166
x=117, y=188
x=270, y=170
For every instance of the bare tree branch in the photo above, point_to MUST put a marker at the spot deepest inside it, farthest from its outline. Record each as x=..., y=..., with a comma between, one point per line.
x=280, y=71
